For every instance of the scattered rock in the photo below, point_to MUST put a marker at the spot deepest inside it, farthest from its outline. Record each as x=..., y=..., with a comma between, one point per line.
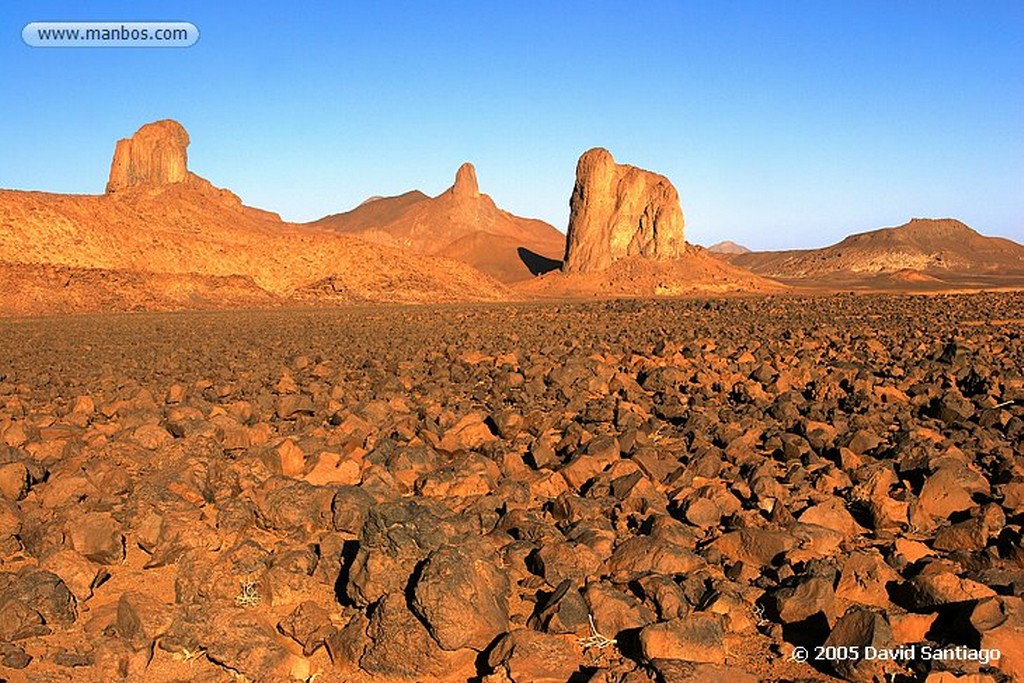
x=462, y=597
x=528, y=656
x=859, y=629
x=441, y=508
x=697, y=638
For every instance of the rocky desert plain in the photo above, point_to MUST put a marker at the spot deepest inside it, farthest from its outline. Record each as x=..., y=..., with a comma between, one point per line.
x=429, y=440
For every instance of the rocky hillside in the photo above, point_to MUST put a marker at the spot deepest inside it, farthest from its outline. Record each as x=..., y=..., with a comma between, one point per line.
x=694, y=272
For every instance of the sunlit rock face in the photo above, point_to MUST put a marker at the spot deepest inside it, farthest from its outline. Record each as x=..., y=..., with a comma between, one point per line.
x=155, y=155
x=617, y=210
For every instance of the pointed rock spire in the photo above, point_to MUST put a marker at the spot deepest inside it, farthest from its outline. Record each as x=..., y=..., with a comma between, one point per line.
x=465, y=182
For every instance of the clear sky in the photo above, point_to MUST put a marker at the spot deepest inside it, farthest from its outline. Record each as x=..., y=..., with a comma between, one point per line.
x=782, y=124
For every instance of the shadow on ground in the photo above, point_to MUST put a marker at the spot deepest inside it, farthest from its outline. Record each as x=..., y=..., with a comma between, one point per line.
x=537, y=264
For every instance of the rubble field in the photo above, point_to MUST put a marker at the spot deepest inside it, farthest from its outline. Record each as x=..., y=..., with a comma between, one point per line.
x=617, y=491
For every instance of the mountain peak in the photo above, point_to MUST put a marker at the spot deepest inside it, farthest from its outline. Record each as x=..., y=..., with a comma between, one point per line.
x=728, y=247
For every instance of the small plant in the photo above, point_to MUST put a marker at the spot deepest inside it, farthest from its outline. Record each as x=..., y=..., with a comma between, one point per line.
x=190, y=656
x=248, y=596
x=595, y=639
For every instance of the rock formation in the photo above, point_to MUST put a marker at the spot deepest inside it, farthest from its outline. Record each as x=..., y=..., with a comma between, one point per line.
x=155, y=155
x=617, y=211
x=465, y=182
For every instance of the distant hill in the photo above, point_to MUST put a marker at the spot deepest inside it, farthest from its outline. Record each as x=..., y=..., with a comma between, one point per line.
x=460, y=223
x=728, y=247
x=939, y=247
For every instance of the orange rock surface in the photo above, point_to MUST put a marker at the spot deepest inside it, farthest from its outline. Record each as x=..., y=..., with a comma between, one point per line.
x=155, y=155
x=618, y=211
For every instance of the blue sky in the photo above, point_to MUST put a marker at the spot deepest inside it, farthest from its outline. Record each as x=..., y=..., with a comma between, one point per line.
x=782, y=124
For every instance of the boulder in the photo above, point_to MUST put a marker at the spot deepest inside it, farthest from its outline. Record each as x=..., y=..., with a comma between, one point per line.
x=469, y=432
x=462, y=596
x=832, y=514
x=859, y=629
x=98, y=537
x=999, y=622
x=13, y=481
x=615, y=611
x=526, y=656
x=141, y=619
x=240, y=640
x=679, y=671
x=756, y=547
x=400, y=646
x=812, y=596
x=697, y=638
x=936, y=586
x=651, y=554
x=33, y=601
x=864, y=579
x=558, y=561
x=564, y=611
x=395, y=538
x=309, y=625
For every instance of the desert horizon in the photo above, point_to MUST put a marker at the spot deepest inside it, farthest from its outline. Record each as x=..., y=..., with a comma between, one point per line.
x=159, y=223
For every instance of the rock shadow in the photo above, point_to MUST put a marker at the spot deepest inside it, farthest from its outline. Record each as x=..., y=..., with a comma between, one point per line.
x=537, y=264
